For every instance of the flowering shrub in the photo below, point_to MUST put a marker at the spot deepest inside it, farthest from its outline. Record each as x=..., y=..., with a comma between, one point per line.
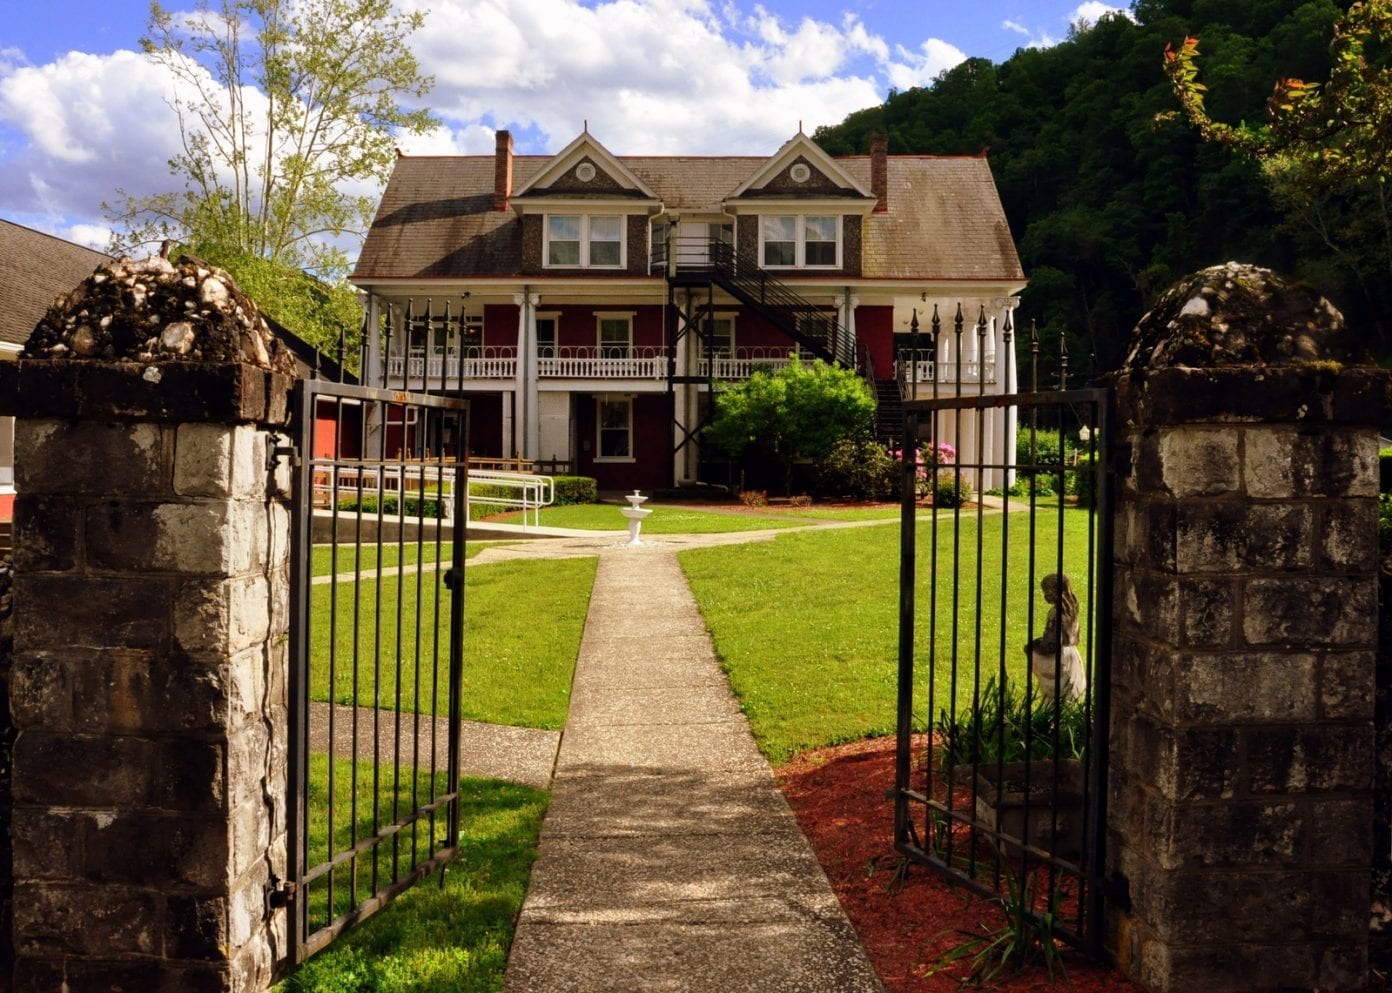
x=944, y=454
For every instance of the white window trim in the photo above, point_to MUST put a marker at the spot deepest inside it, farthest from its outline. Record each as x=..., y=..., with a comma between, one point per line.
x=613, y=315
x=724, y=315
x=599, y=430
x=555, y=317
x=584, y=262
x=800, y=243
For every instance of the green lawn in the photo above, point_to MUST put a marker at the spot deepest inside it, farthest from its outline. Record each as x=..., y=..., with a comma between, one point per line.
x=523, y=622
x=672, y=519
x=807, y=625
x=431, y=939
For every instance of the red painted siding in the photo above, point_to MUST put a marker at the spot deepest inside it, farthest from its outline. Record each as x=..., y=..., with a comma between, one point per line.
x=652, y=445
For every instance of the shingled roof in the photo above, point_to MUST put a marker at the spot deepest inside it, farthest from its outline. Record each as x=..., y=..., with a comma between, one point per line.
x=437, y=219
x=34, y=268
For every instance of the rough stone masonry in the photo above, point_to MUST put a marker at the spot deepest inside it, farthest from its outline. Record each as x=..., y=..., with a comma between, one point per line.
x=150, y=636
x=1245, y=625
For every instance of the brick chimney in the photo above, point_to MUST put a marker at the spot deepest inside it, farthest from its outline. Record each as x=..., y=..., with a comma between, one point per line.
x=502, y=171
x=879, y=170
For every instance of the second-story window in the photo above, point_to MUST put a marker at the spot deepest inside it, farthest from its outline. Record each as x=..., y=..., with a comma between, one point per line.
x=799, y=241
x=585, y=241
x=615, y=336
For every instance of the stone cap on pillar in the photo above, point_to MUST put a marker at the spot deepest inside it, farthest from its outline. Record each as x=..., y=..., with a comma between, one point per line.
x=1237, y=341
x=152, y=340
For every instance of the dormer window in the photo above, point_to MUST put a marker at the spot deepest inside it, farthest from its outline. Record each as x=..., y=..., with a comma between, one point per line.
x=585, y=241
x=800, y=241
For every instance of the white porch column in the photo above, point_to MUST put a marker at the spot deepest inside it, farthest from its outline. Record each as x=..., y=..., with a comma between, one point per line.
x=848, y=307
x=372, y=365
x=527, y=409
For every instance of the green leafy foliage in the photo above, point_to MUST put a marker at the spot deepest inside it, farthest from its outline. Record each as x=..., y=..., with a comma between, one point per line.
x=270, y=177
x=1025, y=939
x=800, y=411
x=950, y=489
x=858, y=469
x=570, y=490
x=1005, y=727
x=1109, y=207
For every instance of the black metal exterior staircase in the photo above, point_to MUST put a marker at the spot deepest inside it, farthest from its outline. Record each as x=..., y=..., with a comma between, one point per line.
x=889, y=412
x=740, y=275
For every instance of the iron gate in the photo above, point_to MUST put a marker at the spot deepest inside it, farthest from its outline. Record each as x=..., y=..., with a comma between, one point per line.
x=377, y=651
x=1003, y=645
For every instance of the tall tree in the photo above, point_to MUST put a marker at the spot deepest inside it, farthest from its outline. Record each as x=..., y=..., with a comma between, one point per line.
x=1108, y=207
x=285, y=108
x=1325, y=149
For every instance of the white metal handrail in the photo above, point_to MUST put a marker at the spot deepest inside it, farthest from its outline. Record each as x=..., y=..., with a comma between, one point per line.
x=426, y=481
x=525, y=491
x=474, y=362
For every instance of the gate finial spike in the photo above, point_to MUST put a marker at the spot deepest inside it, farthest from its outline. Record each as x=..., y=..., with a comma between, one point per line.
x=937, y=324
x=981, y=322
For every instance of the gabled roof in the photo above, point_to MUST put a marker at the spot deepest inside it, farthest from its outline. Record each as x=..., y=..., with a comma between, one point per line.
x=437, y=218
x=586, y=146
x=796, y=147
x=34, y=268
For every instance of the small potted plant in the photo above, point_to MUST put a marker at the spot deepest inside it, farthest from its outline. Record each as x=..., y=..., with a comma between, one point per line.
x=1021, y=759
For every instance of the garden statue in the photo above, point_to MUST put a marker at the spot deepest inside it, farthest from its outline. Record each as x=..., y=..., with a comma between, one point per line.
x=1053, y=656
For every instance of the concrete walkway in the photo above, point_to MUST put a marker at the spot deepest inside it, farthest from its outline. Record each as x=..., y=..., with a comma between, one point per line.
x=669, y=862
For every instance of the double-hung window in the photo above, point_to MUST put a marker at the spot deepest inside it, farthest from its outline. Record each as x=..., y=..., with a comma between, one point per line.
x=615, y=336
x=585, y=241
x=799, y=241
x=615, y=420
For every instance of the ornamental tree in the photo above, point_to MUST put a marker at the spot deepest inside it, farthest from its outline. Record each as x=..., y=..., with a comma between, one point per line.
x=799, y=412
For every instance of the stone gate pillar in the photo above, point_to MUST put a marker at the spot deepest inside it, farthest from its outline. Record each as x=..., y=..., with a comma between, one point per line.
x=1245, y=624
x=150, y=638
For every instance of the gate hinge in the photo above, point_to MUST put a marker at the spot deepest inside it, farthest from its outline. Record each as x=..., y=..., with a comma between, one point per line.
x=279, y=452
x=452, y=580
x=279, y=893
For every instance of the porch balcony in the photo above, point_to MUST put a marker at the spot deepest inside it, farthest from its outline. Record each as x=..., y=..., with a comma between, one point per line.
x=474, y=362
x=922, y=367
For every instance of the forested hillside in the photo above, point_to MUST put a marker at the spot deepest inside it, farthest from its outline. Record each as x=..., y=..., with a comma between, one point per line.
x=1107, y=206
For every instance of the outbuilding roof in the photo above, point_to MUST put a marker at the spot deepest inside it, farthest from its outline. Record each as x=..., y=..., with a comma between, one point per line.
x=34, y=268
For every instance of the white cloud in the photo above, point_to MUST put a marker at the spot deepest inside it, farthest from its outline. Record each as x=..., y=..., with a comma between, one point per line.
x=649, y=76
x=921, y=67
x=1015, y=26
x=1093, y=11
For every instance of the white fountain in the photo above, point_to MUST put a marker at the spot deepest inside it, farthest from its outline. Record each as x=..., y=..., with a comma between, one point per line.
x=635, y=512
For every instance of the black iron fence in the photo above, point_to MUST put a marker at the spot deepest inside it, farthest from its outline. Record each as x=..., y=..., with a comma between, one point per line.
x=1003, y=677
x=377, y=650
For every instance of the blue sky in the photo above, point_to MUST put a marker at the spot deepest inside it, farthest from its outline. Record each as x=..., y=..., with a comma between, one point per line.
x=82, y=115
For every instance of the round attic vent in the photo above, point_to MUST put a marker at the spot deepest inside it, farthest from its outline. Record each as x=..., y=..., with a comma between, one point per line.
x=800, y=173
x=585, y=172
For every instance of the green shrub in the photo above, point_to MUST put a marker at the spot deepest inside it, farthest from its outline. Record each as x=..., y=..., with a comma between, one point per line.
x=1385, y=470
x=858, y=469
x=754, y=499
x=1049, y=449
x=949, y=490
x=996, y=730
x=575, y=489
x=1024, y=486
x=415, y=506
x=1082, y=481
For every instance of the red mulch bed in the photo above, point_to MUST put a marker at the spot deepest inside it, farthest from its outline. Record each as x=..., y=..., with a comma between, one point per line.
x=838, y=795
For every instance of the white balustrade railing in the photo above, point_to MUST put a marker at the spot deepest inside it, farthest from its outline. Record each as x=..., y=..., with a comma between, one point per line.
x=740, y=363
x=474, y=363
x=605, y=362
x=565, y=362
x=923, y=371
